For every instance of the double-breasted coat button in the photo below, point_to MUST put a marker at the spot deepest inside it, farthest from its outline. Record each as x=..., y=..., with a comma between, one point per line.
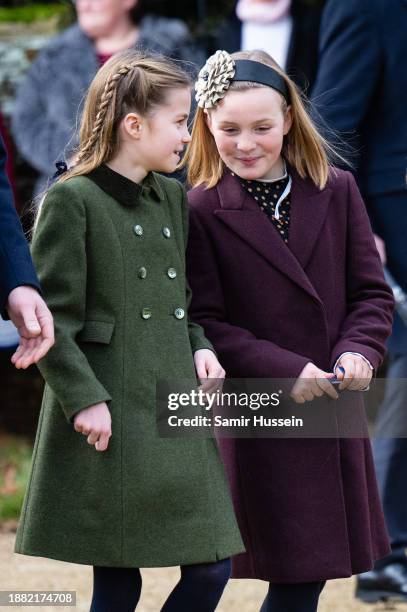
x=166, y=232
x=138, y=230
x=179, y=313
x=146, y=313
x=171, y=272
x=142, y=272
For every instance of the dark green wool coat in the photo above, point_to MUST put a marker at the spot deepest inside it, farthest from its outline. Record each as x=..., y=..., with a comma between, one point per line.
x=110, y=258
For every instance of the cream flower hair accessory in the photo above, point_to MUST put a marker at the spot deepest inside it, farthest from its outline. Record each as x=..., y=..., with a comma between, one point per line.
x=214, y=79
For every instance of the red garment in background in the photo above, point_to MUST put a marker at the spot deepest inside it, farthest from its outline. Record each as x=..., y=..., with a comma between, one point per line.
x=103, y=57
x=10, y=160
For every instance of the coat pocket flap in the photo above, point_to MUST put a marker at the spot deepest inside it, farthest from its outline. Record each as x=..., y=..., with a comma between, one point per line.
x=96, y=331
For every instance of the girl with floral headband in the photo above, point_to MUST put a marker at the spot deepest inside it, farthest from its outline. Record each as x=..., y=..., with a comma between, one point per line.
x=109, y=246
x=287, y=283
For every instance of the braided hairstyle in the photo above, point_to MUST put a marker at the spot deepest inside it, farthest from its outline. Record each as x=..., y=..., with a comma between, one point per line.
x=130, y=81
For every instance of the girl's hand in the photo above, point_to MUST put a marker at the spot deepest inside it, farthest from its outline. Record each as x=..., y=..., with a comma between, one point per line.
x=311, y=383
x=96, y=423
x=356, y=374
x=34, y=322
x=208, y=367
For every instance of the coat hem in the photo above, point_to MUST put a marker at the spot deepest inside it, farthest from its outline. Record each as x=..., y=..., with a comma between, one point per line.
x=334, y=575
x=218, y=555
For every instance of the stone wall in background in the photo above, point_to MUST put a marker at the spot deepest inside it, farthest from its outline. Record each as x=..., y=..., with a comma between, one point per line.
x=19, y=44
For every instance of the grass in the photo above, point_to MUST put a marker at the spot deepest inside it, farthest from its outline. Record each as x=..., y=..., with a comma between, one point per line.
x=15, y=461
x=33, y=12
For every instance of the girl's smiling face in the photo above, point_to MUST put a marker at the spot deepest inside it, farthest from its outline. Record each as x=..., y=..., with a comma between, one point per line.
x=248, y=127
x=167, y=132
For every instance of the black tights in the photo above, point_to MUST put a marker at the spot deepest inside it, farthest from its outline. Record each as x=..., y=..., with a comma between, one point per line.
x=200, y=588
x=301, y=597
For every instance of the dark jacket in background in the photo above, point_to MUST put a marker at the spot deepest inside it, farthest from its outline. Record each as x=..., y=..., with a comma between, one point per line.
x=303, y=48
x=16, y=267
x=361, y=92
x=361, y=88
x=46, y=112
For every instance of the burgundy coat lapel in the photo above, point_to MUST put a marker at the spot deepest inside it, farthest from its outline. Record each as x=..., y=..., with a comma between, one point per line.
x=242, y=214
x=309, y=208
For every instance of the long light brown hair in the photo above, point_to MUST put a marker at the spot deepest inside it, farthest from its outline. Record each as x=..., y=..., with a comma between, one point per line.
x=303, y=147
x=128, y=82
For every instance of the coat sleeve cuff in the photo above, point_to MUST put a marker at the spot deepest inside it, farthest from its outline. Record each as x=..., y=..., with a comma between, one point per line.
x=200, y=342
x=372, y=356
x=74, y=407
x=353, y=353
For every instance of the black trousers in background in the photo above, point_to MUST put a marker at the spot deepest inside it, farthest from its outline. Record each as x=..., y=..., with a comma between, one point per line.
x=388, y=212
x=390, y=458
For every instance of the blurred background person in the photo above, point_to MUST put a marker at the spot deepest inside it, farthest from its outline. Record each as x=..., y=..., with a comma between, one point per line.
x=286, y=29
x=46, y=107
x=361, y=92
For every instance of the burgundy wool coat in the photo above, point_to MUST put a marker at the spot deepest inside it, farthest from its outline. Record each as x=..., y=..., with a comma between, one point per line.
x=308, y=509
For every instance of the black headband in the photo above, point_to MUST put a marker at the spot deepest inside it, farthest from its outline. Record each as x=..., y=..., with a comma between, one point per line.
x=249, y=70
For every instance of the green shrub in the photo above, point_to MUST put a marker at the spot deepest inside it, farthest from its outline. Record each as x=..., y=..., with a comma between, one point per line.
x=34, y=12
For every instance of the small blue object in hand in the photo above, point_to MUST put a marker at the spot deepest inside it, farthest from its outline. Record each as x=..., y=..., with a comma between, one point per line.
x=334, y=380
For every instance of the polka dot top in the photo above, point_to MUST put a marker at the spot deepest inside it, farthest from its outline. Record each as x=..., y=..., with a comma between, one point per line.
x=266, y=195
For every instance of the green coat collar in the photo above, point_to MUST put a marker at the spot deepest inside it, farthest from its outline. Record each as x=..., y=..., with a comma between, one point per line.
x=122, y=189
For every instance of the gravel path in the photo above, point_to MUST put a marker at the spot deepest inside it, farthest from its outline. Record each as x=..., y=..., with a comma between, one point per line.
x=24, y=573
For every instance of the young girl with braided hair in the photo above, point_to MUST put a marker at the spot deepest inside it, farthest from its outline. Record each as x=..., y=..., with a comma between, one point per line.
x=287, y=284
x=109, y=246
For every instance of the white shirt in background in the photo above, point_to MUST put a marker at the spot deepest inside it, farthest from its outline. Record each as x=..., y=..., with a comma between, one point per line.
x=274, y=38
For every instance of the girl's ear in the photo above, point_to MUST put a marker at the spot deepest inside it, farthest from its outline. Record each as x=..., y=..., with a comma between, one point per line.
x=288, y=120
x=132, y=125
